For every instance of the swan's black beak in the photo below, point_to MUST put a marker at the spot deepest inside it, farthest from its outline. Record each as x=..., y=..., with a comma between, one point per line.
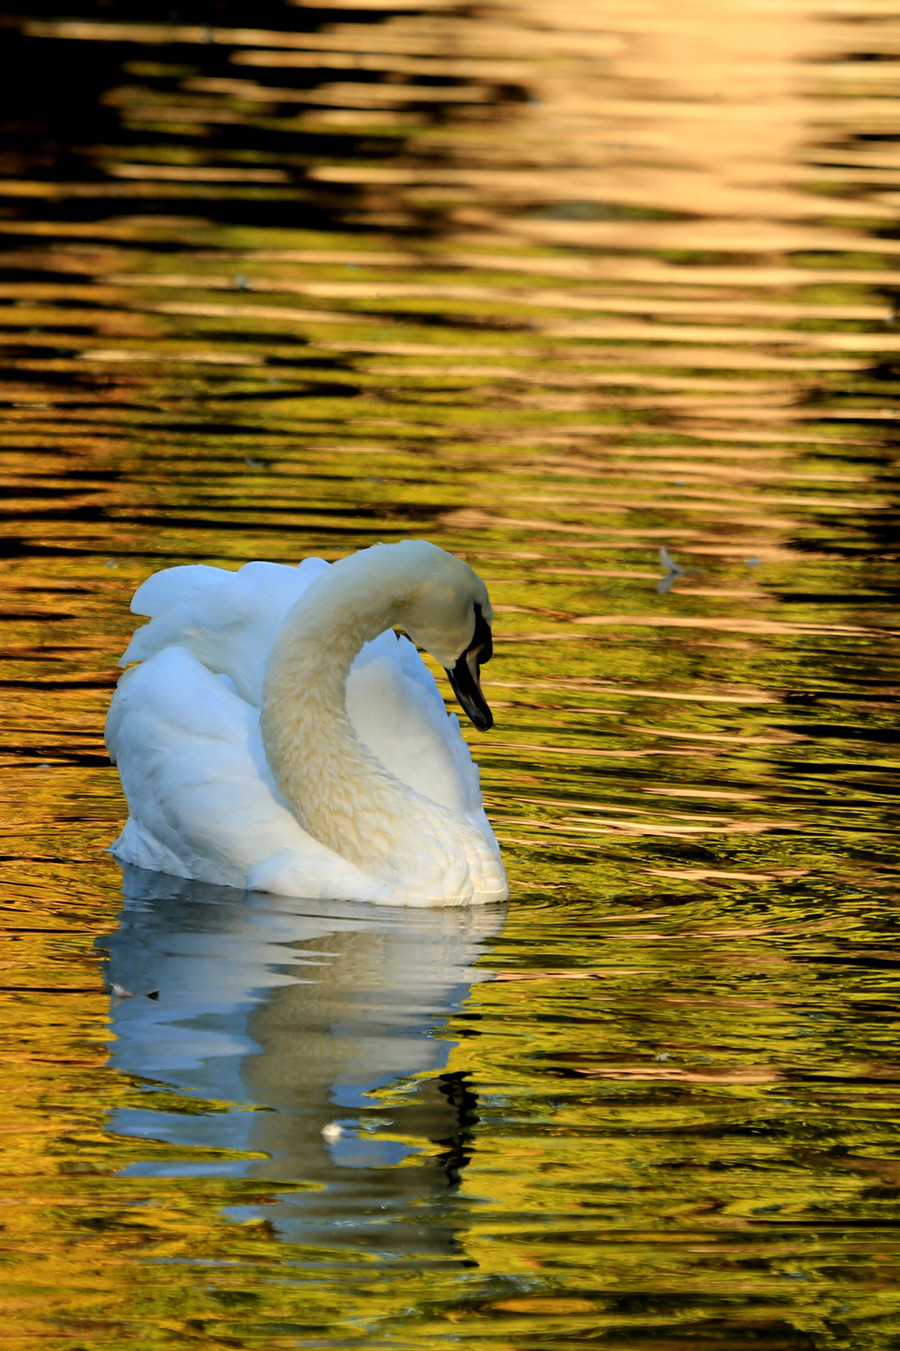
x=465, y=677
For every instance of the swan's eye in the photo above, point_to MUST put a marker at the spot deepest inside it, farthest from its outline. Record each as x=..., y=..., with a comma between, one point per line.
x=481, y=648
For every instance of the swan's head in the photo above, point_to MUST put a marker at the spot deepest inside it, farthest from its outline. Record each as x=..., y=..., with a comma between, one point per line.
x=445, y=609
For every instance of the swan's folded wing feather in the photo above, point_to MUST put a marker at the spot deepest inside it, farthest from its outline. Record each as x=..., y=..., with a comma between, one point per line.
x=227, y=619
x=192, y=766
x=172, y=586
x=396, y=707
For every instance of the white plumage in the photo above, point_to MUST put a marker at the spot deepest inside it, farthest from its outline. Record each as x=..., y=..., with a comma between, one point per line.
x=278, y=735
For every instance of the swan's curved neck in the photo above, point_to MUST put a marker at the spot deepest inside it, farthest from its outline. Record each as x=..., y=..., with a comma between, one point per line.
x=338, y=790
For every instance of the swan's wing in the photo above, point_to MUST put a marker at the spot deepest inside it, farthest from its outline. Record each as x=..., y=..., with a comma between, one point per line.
x=202, y=802
x=396, y=707
x=227, y=619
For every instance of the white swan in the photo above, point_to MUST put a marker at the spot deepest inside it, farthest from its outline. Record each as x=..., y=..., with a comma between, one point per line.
x=277, y=735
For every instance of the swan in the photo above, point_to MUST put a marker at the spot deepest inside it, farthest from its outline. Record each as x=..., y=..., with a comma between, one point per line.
x=273, y=732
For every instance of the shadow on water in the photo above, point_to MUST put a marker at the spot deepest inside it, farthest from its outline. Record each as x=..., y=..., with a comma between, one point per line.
x=307, y=1038
x=227, y=110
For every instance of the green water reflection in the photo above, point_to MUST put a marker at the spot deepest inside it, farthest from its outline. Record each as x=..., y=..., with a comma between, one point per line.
x=558, y=289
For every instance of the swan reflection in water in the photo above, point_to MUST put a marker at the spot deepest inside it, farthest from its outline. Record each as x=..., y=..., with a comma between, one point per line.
x=291, y=1015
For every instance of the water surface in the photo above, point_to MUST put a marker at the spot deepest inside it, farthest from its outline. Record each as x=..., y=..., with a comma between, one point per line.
x=558, y=289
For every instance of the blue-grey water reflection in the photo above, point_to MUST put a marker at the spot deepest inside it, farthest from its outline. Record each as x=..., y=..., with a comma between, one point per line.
x=279, y=1020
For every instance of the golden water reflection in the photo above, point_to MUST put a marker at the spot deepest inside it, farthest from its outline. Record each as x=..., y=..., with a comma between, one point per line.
x=602, y=297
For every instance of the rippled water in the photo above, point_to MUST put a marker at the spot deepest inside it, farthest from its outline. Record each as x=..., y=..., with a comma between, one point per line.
x=560, y=288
